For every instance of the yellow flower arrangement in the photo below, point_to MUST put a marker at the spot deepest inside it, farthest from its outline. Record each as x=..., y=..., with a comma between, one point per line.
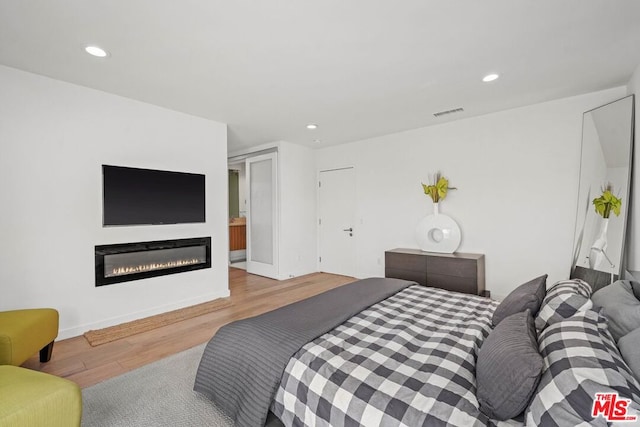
x=607, y=202
x=438, y=190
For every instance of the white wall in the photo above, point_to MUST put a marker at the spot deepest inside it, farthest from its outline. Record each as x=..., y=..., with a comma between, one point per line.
x=298, y=247
x=633, y=235
x=55, y=136
x=517, y=177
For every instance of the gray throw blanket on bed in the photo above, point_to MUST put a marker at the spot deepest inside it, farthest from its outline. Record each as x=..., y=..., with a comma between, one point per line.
x=243, y=363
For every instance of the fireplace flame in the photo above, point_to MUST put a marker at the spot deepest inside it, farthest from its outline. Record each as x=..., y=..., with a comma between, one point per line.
x=120, y=271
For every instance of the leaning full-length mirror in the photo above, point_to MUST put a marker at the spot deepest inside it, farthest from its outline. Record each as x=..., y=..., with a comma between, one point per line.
x=603, y=194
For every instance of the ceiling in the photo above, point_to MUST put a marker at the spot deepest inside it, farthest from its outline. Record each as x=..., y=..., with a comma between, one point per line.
x=357, y=68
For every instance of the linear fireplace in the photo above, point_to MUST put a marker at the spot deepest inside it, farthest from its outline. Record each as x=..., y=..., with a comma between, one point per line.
x=134, y=261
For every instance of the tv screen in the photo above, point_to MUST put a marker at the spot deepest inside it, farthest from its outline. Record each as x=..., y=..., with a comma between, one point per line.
x=134, y=196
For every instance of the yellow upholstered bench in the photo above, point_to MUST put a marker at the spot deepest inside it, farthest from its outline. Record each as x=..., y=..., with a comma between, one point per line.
x=25, y=332
x=35, y=399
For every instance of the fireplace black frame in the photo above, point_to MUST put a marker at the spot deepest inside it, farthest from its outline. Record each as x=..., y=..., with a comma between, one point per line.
x=102, y=250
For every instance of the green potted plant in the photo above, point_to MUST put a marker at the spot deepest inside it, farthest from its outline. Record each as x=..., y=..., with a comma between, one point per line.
x=607, y=202
x=438, y=232
x=604, y=205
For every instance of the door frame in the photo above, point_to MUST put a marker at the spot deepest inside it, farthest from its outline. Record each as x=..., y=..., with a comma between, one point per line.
x=358, y=222
x=241, y=157
x=263, y=269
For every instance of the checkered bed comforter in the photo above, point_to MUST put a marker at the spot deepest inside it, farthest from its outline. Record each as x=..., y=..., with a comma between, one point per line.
x=407, y=361
x=581, y=360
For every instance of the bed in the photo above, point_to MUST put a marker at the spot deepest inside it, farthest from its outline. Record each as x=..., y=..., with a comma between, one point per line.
x=387, y=352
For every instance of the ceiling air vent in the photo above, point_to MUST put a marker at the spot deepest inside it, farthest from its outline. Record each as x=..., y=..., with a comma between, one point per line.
x=444, y=113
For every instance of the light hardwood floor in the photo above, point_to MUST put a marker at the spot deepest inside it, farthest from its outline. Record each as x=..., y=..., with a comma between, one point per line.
x=251, y=295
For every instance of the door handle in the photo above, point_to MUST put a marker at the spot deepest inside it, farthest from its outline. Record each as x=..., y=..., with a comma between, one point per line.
x=350, y=230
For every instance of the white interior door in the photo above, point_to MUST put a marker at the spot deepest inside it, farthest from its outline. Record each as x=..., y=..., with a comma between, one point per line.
x=337, y=222
x=262, y=215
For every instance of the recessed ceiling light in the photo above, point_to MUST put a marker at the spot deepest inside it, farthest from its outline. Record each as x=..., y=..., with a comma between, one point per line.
x=317, y=141
x=490, y=78
x=96, y=51
x=312, y=126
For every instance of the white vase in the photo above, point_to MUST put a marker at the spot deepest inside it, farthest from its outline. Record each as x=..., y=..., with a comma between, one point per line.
x=438, y=233
x=599, y=247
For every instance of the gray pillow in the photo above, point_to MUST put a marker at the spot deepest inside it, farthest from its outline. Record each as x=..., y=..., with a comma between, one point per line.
x=629, y=345
x=621, y=307
x=509, y=367
x=635, y=287
x=526, y=296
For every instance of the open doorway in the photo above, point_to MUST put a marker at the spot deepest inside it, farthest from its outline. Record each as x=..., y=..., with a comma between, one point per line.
x=237, y=216
x=257, y=189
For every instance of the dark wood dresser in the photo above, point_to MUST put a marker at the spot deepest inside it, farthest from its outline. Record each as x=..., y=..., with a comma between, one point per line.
x=459, y=272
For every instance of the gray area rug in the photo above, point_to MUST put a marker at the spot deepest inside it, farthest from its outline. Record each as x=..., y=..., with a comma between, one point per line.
x=159, y=394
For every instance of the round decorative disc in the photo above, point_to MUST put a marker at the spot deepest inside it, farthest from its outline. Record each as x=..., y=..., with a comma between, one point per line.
x=438, y=233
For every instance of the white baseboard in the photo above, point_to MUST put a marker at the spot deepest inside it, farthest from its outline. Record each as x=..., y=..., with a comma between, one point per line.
x=81, y=329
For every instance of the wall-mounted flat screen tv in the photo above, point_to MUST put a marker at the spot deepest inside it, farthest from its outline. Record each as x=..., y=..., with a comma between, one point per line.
x=133, y=196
